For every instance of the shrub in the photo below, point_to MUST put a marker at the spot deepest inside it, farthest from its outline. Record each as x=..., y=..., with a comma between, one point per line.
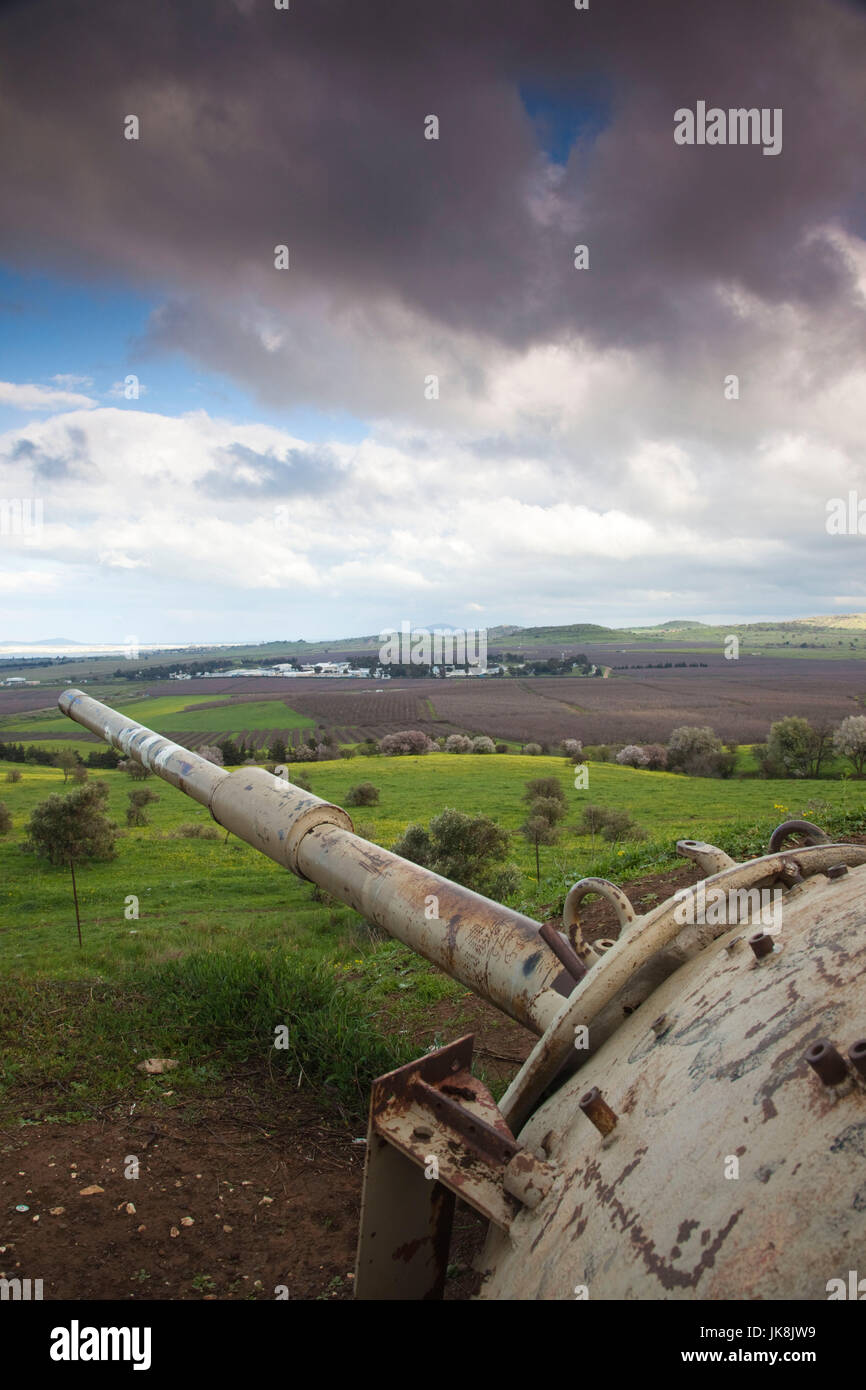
x=502, y=747
x=278, y=751
x=698, y=752
x=364, y=794
x=547, y=808
x=66, y=760
x=14, y=775
x=136, y=770
x=5, y=819
x=483, y=744
x=593, y=819
x=632, y=755
x=544, y=786
x=531, y=750
x=572, y=748
x=195, y=831
x=138, y=799
x=73, y=828
x=405, y=743
x=657, y=756
x=458, y=743
x=467, y=849
x=79, y=773
x=849, y=741
x=619, y=826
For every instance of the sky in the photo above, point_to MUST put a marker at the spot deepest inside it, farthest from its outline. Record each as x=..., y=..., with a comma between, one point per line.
x=430, y=414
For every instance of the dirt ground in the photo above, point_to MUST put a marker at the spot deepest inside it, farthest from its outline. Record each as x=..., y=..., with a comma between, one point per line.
x=236, y=1196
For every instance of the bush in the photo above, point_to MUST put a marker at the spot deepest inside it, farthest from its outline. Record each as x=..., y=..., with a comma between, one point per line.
x=657, y=756
x=592, y=821
x=195, y=831
x=138, y=799
x=483, y=744
x=79, y=773
x=73, y=828
x=547, y=808
x=136, y=771
x=632, y=755
x=849, y=741
x=467, y=849
x=698, y=752
x=14, y=775
x=531, y=750
x=5, y=819
x=364, y=794
x=572, y=748
x=458, y=743
x=502, y=747
x=620, y=826
x=544, y=786
x=405, y=743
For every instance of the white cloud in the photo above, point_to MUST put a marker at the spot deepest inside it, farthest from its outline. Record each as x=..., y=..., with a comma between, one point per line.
x=32, y=397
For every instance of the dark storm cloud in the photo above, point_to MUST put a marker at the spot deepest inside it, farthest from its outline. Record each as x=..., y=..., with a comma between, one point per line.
x=245, y=473
x=306, y=127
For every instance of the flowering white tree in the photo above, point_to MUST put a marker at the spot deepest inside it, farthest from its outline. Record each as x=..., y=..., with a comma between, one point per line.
x=849, y=741
x=632, y=756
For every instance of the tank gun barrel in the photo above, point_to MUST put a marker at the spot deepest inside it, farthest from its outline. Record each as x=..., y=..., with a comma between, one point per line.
x=501, y=955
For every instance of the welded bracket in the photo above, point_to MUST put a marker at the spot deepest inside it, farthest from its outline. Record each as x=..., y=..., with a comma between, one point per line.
x=435, y=1133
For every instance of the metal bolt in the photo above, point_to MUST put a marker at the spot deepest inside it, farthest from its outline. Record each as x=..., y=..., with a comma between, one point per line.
x=596, y=1108
x=837, y=870
x=825, y=1060
x=734, y=945
x=857, y=1055
x=761, y=943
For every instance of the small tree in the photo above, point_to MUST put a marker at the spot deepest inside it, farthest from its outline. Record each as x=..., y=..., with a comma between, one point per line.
x=791, y=743
x=277, y=751
x=543, y=786
x=364, y=794
x=572, y=748
x=849, y=741
x=139, y=797
x=483, y=744
x=458, y=743
x=14, y=774
x=467, y=849
x=137, y=771
x=632, y=755
x=531, y=750
x=539, y=830
x=79, y=774
x=5, y=819
x=66, y=761
x=406, y=742
x=73, y=829
x=698, y=752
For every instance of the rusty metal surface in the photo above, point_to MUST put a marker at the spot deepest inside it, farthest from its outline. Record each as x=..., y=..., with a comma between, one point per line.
x=734, y=1170
x=434, y=1126
x=652, y=949
x=496, y=952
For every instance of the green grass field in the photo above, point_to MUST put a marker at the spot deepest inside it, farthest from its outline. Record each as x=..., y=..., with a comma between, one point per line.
x=220, y=929
x=171, y=713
